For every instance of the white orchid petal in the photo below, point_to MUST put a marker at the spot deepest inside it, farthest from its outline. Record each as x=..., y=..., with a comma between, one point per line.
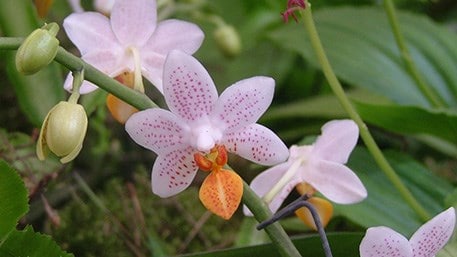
x=188, y=89
x=335, y=181
x=174, y=34
x=244, y=102
x=258, y=144
x=156, y=129
x=173, y=172
x=90, y=31
x=337, y=141
x=133, y=21
x=153, y=64
x=383, y=241
x=433, y=235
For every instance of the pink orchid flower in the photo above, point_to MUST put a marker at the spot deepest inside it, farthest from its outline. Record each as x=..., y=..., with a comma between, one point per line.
x=426, y=242
x=130, y=40
x=320, y=165
x=198, y=121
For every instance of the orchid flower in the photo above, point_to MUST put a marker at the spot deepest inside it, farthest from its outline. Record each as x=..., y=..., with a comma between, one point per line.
x=318, y=167
x=199, y=122
x=425, y=242
x=130, y=40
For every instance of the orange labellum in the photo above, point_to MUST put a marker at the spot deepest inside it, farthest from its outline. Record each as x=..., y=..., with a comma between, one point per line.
x=42, y=7
x=221, y=192
x=120, y=110
x=324, y=209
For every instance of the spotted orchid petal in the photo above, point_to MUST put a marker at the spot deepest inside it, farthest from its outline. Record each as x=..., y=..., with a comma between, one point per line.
x=173, y=172
x=337, y=141
x=258, y=144
x=425, y=242
x=244, y=102
x=90, y=31
x=133, y=22
x=157, y=130
x=188, y=89
x=335, y=181
x=383, y=241
x=434, y=234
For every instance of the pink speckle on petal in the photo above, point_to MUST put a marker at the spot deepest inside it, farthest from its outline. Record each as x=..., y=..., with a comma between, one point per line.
x=258, y=144
x=157, y=130
x=173, y=172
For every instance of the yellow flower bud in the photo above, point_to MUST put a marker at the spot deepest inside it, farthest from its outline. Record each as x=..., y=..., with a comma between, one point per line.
x=228, y=40
x=37, y=50
x=63, y=131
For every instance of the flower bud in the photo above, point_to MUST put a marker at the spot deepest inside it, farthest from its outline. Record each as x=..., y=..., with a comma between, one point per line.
x=228, y=40
x=37, y=50
x=63, y=131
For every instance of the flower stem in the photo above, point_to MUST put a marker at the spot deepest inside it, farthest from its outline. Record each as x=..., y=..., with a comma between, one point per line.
x=431, y=95
x=349, y=108
x=73, y=63
x=276, y=233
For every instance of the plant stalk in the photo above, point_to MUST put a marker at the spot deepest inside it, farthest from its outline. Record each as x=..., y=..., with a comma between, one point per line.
x=276, y=233
x=73, y=63
x=428, y=92
x=349, y=108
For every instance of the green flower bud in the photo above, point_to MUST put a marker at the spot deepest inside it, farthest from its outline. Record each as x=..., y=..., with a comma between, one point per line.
x=63, y=131
x=38, y=49
x=228, y=40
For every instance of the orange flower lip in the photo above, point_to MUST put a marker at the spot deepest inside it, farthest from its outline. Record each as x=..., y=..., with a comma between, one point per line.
x=222, y=189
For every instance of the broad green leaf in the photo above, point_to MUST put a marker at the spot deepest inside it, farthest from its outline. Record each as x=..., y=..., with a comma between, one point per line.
x=384, y=206
x=31, y=244
x=37, y=93
x=411, y=120
x=363, y=52
x=13, y=203
x=342, y=245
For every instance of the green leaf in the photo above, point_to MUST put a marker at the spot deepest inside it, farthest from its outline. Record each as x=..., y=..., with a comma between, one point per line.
x=363, y=52
x=37, y=93
x=13, y=195
x=31, y=244
x=384, y=206
x=411, y=119
x=342, y=245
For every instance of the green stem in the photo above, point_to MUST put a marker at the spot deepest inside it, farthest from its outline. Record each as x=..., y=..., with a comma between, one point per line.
x=276, y=233
x=429, y=93
x=73, y=63
x=349, y=108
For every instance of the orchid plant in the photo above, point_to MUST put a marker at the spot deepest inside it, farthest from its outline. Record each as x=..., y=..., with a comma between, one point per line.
x=192, y=127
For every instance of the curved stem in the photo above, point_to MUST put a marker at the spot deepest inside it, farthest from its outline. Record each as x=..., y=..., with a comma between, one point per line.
x=349, y=108
x=429, y=93
x=276, y=233
x=73, y=63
